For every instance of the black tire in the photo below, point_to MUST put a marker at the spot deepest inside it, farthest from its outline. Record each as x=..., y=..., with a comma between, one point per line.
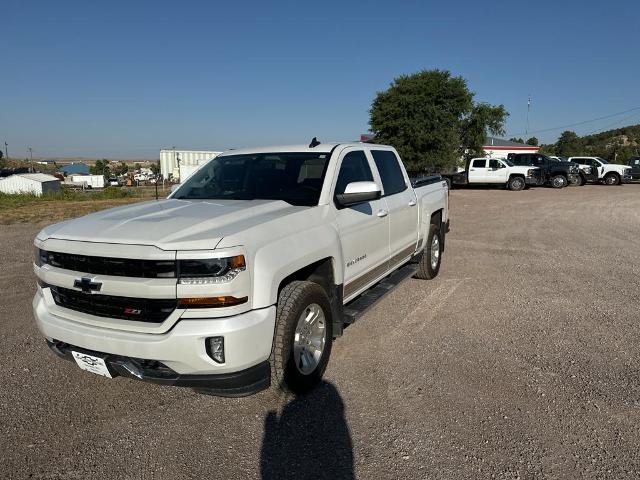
x=559, y=181
x=577, y=181
x=292, y=301
x=611, y=179
x=516, y=184
x=425, y=270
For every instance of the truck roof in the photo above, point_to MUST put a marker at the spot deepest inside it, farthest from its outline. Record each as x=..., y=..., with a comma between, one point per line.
x=322, y=147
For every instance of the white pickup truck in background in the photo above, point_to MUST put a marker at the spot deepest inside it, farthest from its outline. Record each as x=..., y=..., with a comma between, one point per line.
x=242, y=278
x=496, y=171
x=602, y=171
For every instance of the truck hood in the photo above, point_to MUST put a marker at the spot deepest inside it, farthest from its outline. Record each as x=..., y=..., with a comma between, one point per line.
x=171, y=224
x=621, y=169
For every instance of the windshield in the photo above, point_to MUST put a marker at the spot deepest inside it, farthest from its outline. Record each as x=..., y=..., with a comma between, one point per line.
x=602, y=160
x=508, y=162
x=295, y=178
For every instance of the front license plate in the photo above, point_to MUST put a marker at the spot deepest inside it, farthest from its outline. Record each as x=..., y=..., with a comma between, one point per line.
x=91, y=364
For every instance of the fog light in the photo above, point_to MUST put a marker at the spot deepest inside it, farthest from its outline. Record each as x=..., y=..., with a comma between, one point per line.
x=215, y=348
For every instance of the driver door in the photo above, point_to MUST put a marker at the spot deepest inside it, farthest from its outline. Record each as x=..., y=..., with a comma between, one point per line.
x=497, y=172
x=364, y=228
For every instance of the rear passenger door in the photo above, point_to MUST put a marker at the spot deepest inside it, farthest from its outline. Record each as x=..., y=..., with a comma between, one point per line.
x=364, y=228
x=401, y=204
x=478, y=170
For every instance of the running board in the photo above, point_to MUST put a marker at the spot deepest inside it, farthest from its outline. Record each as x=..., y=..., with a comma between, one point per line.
x=356, y=307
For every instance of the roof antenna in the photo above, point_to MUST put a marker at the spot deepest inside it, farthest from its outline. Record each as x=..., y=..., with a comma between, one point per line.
x=314, y=143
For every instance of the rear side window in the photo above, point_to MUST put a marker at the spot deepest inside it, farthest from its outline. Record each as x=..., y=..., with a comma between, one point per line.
x=390, y=171
x=481, y=163
x=354, y=168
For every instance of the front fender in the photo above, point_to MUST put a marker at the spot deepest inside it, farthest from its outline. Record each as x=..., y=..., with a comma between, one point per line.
x=275, y=261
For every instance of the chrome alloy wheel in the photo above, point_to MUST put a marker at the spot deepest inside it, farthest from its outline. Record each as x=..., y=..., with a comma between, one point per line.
x=309, y=339
x=435, y=251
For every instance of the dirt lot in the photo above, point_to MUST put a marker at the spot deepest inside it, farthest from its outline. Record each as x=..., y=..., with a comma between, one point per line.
x=520, y=360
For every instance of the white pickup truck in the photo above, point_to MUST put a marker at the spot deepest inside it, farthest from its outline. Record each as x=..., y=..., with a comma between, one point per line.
x=244, y=275
x=494, y=171
x=599, y=170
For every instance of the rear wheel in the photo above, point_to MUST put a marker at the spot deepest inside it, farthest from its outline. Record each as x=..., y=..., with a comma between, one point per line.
x=303, y=337
x=611, y=179
x=559, y=181
x=429, y=265
x=516, y=184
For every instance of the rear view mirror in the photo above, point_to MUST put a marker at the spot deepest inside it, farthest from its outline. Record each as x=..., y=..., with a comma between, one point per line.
x=358, y=192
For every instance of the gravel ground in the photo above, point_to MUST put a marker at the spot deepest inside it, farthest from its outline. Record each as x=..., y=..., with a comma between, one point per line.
x=519, y=361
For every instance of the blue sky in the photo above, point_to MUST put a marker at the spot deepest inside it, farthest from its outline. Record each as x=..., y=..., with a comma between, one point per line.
x=121, y=79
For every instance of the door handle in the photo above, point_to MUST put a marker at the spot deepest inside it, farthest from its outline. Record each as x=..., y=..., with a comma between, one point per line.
x=412, y=203
x=382, y=213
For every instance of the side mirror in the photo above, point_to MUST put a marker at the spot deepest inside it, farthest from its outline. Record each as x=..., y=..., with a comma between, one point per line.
x=358, y=192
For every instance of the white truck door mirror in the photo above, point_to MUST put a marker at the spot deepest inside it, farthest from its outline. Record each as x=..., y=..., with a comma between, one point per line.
x=358, y=192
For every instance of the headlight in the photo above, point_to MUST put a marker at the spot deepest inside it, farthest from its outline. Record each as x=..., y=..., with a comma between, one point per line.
x=211, y=270
x=587, y=169
x=531, y=172
x=41, y=257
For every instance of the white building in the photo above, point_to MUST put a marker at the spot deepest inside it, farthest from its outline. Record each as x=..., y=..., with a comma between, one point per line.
x=92, y=181
x=35, y=183
x=172, y=160
x=499, y=148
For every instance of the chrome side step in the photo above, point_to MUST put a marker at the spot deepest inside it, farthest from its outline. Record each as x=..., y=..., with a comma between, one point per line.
x=356, y=307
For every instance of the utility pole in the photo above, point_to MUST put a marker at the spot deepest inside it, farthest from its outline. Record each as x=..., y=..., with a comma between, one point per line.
x=6, y=150
x=157, y=179
x=31, y=157
x=173, y=165
x=526, y=131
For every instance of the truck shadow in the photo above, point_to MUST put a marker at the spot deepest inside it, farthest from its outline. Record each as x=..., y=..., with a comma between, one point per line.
x=310, y=438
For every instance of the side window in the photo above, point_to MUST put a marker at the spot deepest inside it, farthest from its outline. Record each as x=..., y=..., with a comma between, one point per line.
x=479, y=163
x=354, y=168
x=494, y=164
x=390, y=171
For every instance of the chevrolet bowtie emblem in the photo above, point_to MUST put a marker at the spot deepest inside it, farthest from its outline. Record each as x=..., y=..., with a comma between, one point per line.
x=87, y=285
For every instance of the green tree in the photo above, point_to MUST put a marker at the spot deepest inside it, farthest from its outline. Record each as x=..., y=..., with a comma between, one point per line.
x=517, y=140
x=569, y=144
x=431, y=118
x=155, y=167
x=120, y=169
x=533, y=141
x=101, y=167
x=137, y=167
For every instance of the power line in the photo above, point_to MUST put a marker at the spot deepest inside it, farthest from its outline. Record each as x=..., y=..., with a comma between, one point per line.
x=575, y=124
x=599, y=130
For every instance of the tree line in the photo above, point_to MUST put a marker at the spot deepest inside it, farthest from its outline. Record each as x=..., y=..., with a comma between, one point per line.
x=617, y=146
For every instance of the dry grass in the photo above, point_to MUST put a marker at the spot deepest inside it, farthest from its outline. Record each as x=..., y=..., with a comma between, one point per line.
x=55, y=208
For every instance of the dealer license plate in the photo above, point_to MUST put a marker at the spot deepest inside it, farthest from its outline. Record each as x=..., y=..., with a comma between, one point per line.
x=91, y=364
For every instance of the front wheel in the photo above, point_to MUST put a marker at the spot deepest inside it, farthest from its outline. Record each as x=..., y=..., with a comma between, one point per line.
x=577, y=181
x=303, y=337
x=516, y=184
x=611, y=179
x=559, y=181
x=429, y=265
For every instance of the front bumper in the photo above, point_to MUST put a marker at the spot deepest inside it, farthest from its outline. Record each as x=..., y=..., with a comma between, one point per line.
x=533, y=181
x=181, y=351
x=236, y=384
x=626, y=178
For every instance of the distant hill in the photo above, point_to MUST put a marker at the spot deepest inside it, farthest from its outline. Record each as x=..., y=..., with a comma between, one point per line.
x=615, y=145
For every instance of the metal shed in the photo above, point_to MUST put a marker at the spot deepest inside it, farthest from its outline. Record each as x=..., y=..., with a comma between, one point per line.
x=171, y=161
x=34, y=183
